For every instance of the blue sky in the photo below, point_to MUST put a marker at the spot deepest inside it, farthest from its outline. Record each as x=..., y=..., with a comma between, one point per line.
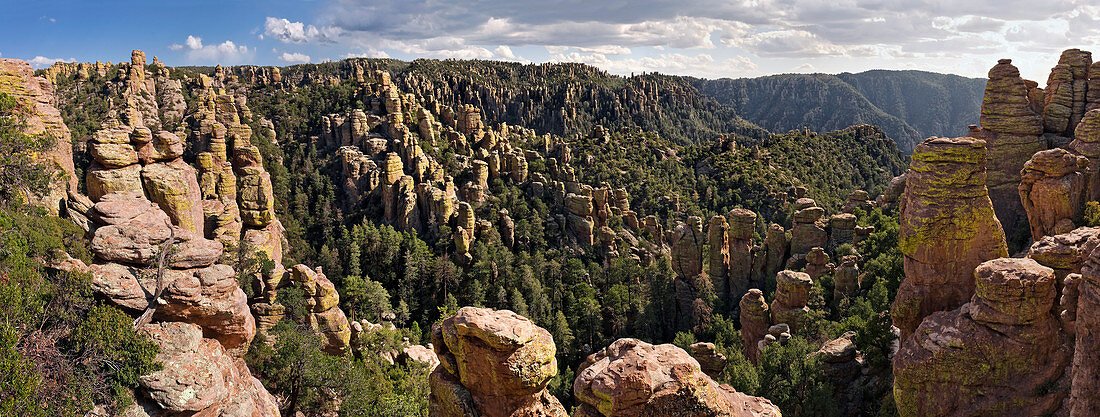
x=709, y=38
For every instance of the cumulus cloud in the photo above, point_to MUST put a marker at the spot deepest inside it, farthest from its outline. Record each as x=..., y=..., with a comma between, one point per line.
x=369, y=53
x=294, y=58
x=892, y=33
x=286, y=31
x=226, y=52
x=40, y=61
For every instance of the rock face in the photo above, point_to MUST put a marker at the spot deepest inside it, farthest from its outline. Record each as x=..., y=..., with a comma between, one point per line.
x=792, y=292
x=1084, y=394
x=1087, y=143
x=755, y=321
x=947, y=228
x=634, y=378
x=993, y=354
x=42, y=118
x=492, y=363
x=1053, y=191
x=199, y=378
x=687, y=262
x=1011, y=128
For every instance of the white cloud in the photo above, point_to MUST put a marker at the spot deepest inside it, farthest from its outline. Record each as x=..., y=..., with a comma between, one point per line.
x=193, y=42
x=295, y=58
x=40, y=61
x=504, y=52
x=227, y=52
x=286, y=31
x=369, y=53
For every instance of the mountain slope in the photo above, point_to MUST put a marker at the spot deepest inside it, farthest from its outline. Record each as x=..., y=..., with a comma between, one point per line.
x=907, y=105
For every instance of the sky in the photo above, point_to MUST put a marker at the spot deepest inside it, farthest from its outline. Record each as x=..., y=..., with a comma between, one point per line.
x=710, y=38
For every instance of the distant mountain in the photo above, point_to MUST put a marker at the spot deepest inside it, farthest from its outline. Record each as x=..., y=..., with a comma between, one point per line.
x=908, y=105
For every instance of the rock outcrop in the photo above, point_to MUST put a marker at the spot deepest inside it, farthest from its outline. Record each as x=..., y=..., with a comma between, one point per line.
x=42, y=119
x=1011, y=128
x=997, y=354
x=792, y=292
x=947, y=228
x=755, y=321
x=199, y=378
x=634, y=378
x=1084, y=393
x=1053, y=191
x=492, y=364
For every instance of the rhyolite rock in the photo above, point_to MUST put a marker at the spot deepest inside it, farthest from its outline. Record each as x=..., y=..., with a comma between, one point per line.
x=947, y=228
x=492, y=363
x=792, y=292
x=1010, y=129
x=755, y=320
x=633, y=378
x=992, y=355
x=199, y=378
x=41, y=118
x=1053, y=191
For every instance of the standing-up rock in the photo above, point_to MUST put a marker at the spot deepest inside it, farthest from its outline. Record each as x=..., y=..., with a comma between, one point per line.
x=326, y=317
x=42, y=118
x=719, y=256
x=493, y=363
x=792, y=292
x=947, y=228
x=817, y=263
x=842, y=229
x=633, y=378
x=1086, y=142
x=742, y=226
x=1085, y=393
x=710, y=360
x=807, y=232
x=995, y=355
x=846, y=277
x=775, y=243
x=687, y=262
x=1011, y=131
x=1053, y=191
x=755, y=321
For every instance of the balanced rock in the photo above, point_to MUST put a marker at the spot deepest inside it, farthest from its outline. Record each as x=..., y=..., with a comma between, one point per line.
x=493, y=363
x=1011, y=130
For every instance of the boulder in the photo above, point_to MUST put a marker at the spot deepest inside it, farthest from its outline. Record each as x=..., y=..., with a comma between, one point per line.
x=1053, y=191
x=175, y=188
x=1000, y=351
x=199, y=378
x=492, y=363
x=634, y=378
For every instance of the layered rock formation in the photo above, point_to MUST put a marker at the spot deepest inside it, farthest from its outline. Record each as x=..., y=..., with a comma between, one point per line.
x=792, y=292
x=492, y=363
x=755, y=320
x=1053, y=191
x=947, y=228
x=42, y=119
x=996, y=354
x=634, y=378
x=1011, y=128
